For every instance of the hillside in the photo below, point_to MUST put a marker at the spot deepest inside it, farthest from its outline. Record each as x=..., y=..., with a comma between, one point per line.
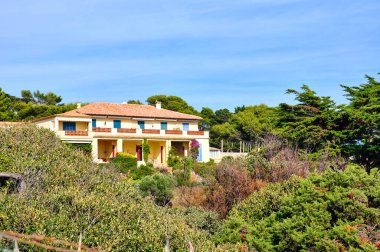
x=67, y=193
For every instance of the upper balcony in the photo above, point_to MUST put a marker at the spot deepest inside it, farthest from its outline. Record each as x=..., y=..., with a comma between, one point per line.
x=130, y=132
x=150, y=132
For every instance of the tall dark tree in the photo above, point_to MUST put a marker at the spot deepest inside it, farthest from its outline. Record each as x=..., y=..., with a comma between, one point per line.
x=209, y=118
x=222, y=115
x=362, y=133
x=27, y=96
x=172, y=102
x=6, y=110
x=312, y=124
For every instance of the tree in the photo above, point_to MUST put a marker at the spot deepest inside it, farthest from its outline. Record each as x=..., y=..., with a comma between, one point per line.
x=222, y=132
x=209, y=118
x=172, y=102
x=134, y=102
x=46, y=99
x=253, y=122
x=313, y=123
x=222, y=115
x=362, y=125
x=27, y=96
x=6, y=111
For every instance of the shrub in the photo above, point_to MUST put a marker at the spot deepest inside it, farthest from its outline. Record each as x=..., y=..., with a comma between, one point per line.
x=183, y=171
x=194, y=149
x=232, y=184
x=146, y=150
x=201, y=219
x=189, y=196
x=335, y=211
x=142, y=171
x=159, y=186
x=67, y=193
x=85, y=147
x=124, y=162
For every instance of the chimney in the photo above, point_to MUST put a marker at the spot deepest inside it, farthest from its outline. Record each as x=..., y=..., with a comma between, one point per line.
x=158, y=105
x=79, y=105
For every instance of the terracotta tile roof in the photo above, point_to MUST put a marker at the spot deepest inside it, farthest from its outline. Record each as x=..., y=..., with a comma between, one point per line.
x=127, y=110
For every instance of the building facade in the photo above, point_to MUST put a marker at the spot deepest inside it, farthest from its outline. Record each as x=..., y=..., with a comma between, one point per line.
x=112, y=128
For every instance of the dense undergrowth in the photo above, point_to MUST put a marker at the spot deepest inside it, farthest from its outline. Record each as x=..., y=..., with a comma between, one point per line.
x=67, y=194
x=276, y=199
x=334, y=211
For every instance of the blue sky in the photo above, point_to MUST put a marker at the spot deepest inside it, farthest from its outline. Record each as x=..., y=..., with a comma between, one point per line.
x=215, y=53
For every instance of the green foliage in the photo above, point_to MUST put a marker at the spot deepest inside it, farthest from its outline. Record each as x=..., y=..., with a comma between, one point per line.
x=134, y=102
x=85, y=147
x=183, y=173
x=30, y=107
x=5, y=107
x=67, y=193
x=254, y=122
x=201, y=219
x=142, y=171
x=124, y=162
x=172, y=102
x=159, y=186
x=362, y=131
x=321, y=213
x=312, y=124
x=146, y=150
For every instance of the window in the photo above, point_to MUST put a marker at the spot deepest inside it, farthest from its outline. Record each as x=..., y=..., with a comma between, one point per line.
x=94, y=123
x=164, y=125
x=141, y=124
x=117, y=124
x=69, y=126
x=185, y=126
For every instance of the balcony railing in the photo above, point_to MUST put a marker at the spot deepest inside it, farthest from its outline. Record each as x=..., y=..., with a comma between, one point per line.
x=121, y=130
x=150, y=131
x=195, y=133
x=98, y=129
x=173, y=132
x=76, y=133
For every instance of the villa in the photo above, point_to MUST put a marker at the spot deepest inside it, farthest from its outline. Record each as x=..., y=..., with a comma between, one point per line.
x=111, y=128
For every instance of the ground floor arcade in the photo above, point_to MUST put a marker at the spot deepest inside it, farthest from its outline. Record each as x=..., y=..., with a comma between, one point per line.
x=104, y=149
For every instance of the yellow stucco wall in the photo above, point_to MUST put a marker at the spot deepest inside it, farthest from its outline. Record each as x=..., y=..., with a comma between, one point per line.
x=105, y=148
x=155, y=151
x=130, y=147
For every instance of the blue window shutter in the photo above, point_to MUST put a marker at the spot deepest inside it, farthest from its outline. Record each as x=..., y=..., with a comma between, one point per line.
x=141, y=124
x=94, y=123
x=117, y=124
x=69, y=126
x=164, y=125
x=199, y=158
x=185, y=126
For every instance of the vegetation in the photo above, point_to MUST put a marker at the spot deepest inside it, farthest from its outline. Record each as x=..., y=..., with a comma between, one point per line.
x=30, y=106
x=310, y=181
x=67, y=194
x=334, y=211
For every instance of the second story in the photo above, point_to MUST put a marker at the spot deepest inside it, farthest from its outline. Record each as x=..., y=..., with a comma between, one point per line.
x=123, y=120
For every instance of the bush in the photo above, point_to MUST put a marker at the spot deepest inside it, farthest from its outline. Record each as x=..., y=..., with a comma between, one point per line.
x=124, y=162
x=85, y=147
x=201, y=219
x=232, y=184
x=67, y=193
x=335, y=211
x=159, y=186
x=142, y=171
